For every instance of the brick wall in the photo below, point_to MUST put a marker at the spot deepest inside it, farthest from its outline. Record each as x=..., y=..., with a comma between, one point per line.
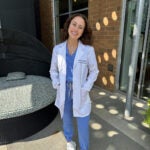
x=46, y=23
x=104, y=17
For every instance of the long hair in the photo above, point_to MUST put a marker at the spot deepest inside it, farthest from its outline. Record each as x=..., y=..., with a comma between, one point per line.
x=86, y=37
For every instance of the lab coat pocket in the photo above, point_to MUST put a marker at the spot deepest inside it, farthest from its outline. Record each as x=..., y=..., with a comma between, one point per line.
x=58, y=102
x=84, y=97
x=58, y=92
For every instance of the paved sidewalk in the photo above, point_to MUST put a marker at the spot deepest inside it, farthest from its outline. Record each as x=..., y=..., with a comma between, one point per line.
x=108, y=128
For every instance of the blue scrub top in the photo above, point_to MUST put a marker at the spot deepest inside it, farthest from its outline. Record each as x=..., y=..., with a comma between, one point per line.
x=69, y=61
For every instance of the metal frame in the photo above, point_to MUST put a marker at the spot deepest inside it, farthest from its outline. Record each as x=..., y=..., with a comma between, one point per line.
x=54, y=23
x=124, y=3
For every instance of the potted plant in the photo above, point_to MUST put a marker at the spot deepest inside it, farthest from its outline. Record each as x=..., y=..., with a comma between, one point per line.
x=147, y=114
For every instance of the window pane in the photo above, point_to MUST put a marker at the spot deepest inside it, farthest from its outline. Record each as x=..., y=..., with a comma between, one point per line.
x=63, y=6
x=62, y=20
x=79, y=4
x=62, y=10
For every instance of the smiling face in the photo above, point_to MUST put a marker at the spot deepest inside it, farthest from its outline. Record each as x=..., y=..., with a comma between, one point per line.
x=76, y=28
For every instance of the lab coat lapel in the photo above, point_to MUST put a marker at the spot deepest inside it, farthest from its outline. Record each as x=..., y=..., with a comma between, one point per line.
x=63, y=54
x=63, y=49
x=80, y=52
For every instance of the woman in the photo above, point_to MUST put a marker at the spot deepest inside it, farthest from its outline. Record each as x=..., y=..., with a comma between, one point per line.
x=73, y=72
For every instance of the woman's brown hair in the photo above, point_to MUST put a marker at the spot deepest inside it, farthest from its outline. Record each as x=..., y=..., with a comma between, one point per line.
x=86, y=37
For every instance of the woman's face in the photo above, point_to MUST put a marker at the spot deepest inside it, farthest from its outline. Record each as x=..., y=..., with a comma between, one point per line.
x=76, y=28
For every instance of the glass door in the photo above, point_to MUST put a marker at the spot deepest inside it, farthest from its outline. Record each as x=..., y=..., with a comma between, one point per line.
x=127, y=45
x=142, y=80
x=142, y=88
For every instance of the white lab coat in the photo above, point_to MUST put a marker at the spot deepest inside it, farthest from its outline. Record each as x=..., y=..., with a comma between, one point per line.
x=85, y=72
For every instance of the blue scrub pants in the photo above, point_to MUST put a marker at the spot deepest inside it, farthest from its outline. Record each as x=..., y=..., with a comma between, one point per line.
x=82, y=122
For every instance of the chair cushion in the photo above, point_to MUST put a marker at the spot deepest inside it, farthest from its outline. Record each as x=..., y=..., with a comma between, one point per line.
x=20, y=97
x=15, y=76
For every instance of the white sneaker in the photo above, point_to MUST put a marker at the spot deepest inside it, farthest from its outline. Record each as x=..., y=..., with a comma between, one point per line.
x=71, y=145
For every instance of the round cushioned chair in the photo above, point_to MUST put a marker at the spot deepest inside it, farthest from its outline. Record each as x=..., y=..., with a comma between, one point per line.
x=26, y=93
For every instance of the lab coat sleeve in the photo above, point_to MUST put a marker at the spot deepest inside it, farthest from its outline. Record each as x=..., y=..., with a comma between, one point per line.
x=54, y=74
x=92, y=70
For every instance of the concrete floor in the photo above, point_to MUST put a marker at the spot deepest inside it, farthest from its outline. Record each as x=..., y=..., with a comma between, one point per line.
x=109, y=130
